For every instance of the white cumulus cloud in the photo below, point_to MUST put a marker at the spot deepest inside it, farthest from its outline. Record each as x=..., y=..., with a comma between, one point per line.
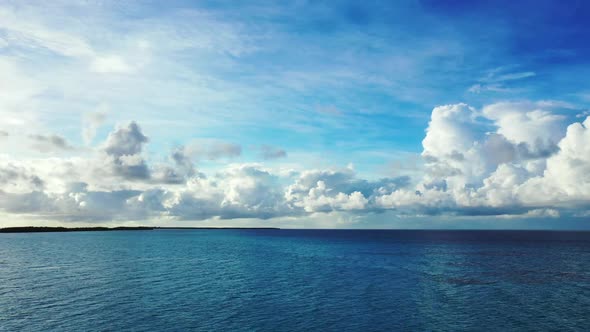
x=477, y=162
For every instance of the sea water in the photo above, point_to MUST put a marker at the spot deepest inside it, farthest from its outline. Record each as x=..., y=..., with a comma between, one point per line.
x=295, y=280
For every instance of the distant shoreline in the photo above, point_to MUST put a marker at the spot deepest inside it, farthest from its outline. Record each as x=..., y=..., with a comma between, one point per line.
x=216, y=228
x=43, y=229
x=46, y=229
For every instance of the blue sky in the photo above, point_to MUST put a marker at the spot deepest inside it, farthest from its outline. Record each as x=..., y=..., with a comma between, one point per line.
x=256, y=96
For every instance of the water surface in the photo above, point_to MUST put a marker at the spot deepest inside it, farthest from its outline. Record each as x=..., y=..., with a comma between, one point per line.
x=295, y=280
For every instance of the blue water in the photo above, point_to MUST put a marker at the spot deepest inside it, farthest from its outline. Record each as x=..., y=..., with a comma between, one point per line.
x=295, y=280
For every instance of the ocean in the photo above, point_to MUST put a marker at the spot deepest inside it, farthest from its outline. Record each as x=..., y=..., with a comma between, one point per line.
x=295, y=280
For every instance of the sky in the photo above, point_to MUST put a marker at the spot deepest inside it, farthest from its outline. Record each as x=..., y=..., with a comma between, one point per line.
x=295, y=114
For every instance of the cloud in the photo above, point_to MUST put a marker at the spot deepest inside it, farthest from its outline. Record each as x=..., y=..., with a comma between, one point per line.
x=211, y=149
x=500, y=81
x=27, y=28
x=451, y=150
x=178, y=173
x=506, y=158
x=479, y=88
x=79, y=204
x=476, y=163
x=566, y=178
x=508, y=76
x=123, y=149
x=333, y=190
x=32, y=34
x=242, y=191
x=110, y=64
x=236, y=191
x=524, y=122
x=90, y=124
x=18, y=179
x=320, y=199
x=125, y=141
x=268, y=152
x=50, y=143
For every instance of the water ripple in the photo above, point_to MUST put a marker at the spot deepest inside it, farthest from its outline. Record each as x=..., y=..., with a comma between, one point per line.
x=293, y=281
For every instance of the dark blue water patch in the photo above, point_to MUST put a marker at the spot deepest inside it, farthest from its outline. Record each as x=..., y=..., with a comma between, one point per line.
x=295, y=280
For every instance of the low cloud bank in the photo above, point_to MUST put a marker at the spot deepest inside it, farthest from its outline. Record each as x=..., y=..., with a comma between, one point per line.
x=508, y=159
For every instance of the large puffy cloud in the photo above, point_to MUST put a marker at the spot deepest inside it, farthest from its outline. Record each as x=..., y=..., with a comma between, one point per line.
x=18, y=179
x=506, y=158
x=320, y=199
x=464, y=146
x=236, y=191
x=125, y=141
x=477, y=162
x=452, y=148
x=566, y=178
x=569, y=169
x=252, y=191
x=533, y=124
x=328, y=190
x=123, y=152
x=179, y=172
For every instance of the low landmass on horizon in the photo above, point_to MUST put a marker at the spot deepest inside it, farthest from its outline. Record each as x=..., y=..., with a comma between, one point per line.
x=42, y=229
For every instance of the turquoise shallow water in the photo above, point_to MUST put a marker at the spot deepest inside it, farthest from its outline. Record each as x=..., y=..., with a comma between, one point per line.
x=295, y=280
